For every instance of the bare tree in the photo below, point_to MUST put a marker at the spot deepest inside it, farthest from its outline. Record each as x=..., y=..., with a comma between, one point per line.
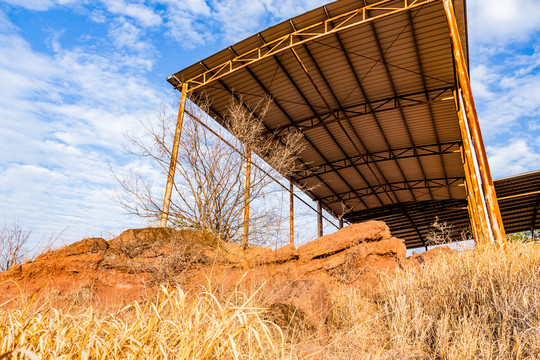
x=13, y=241
x=441, y=233
x=209, y=190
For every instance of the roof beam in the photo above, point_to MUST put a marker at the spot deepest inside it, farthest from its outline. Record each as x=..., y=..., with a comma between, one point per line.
x=315, y=31
x=426, y=208
x=222, y=83
x=374, y=106
x=406, y=213
x=374, y=115
x=430, y=108
x=263, y=87
x=295, y=85
x=375, y=157
x=407, y=185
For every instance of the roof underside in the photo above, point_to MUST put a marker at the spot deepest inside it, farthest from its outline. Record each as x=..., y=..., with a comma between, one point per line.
x=375, y=105
x=519, y=201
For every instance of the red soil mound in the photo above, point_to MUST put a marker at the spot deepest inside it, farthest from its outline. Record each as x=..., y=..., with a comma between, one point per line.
x=130, y=266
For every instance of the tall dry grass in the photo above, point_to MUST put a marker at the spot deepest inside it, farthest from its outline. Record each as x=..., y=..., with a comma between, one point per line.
x=170, y=325
x=482, y=304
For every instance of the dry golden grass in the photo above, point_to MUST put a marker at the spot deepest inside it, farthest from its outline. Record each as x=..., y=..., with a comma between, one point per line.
x=482, y=304
x=170, y=325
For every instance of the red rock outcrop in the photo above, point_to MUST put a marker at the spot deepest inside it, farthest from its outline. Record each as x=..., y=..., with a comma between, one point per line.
x=343, y=239
x=129, y=266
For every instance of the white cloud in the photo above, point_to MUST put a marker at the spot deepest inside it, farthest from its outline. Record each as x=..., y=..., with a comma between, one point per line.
x=199, y=22
x=506, y=99
x=127, y=35
x=195, y=7
x=98, y=16
x=507, y=89
x=141, y=13
x=185, y=29
x=505, y=74
x=62, y=117
x=517, y=157
x=190, y=22
x=503, y=21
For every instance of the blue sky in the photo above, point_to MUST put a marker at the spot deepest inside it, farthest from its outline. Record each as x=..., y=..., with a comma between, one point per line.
x=77, y=74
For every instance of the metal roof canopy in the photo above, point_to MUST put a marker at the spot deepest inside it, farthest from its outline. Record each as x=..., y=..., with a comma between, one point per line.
x=370, y=85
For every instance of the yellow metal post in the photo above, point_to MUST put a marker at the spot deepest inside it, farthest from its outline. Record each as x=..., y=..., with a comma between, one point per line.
x=319, y=219
x=174, y=156
x=488, y=189
x=291, y=214
x=247, y=196
x=475, y=207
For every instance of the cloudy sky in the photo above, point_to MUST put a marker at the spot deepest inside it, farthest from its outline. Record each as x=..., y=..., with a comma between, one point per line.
x=77, y=74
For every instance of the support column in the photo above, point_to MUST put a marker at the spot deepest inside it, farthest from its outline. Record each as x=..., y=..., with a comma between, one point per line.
x=341, y=223
x=291, y=214
x=535, y=214
x=487, y=187
x=247, y=196
x=476, y=203
x=319, y=218
x=174, y=157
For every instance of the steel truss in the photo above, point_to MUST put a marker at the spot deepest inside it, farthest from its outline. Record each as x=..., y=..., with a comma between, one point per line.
x=431, y=207
x=316, y=31
x=534, y=216
x=396, y=186
x=368, y=108
x=375, y=157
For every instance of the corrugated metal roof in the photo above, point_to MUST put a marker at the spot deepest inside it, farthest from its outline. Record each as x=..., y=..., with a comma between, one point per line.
x=393, y=144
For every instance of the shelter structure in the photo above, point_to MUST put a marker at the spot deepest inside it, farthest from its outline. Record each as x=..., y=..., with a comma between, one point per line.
x=381, y=93
x=519, y=201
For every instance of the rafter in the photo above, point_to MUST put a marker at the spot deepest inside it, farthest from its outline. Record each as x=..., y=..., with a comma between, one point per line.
x=235, y=96
x=336, y=117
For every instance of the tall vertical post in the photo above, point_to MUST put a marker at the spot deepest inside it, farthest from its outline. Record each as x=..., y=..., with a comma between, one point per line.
x=291, y=214
x=174, y=157
x=247, y=196
x=340, y=223
x=319, y=218
x=487, y=186
x=477, y=210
